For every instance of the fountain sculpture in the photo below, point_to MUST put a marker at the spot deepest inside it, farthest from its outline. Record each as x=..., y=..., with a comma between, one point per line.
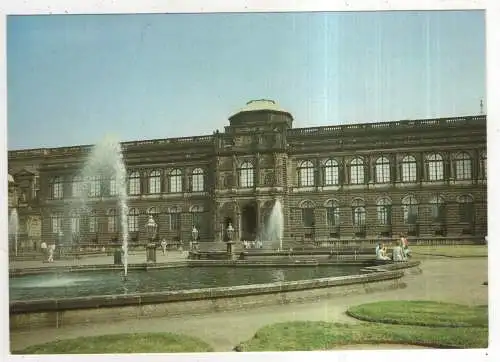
x=105, y=163
x=273, y=229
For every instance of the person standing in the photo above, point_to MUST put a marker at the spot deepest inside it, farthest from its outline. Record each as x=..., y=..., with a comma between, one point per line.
x=404, y=245
x=164, y=246
x=43, y=246
x=397, y=253
x=52, y=249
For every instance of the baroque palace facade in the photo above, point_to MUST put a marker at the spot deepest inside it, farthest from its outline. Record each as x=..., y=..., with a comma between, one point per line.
x=425, y=178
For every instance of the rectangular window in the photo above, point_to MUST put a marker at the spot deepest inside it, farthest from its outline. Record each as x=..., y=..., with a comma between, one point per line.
x=409, y=172
x=466, y=212
x=384, y=214
x=95, y=186
x=93, y=223
x=333, y=216
x=57, y=189
x=134, y=186
x=308, y=217
x=112, y=223
x=410, y=213
x=357, y=174
x=176, y=184
x=307, y=177
x=57, y=221
x=197, y=219
x=331, y=175
x=133, y=223
x=438, y=213
x=175, y=221
x=436, y=171
x=75, y=224
x=112, y=187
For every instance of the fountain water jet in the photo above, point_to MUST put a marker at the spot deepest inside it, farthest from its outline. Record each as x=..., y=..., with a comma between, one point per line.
x=14, y=227
x=106, y=162
x=273, y=230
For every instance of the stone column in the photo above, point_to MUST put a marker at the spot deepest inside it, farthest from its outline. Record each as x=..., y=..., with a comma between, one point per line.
x=236, y=222
x=368, y=169
x=394, y=168
x=259, y=217
x=256, y=181
x=421, y=165
x=236, y=181
x=144, y=181
x=345, y=168
x=318, y=174
x=277, y=170
x=447, y=167
x=476, y=163
x=216, y=184
x=216, y=222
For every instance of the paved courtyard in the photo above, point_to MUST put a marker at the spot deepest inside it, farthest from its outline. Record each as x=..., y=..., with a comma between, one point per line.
x=134, y=258
x=443, y=279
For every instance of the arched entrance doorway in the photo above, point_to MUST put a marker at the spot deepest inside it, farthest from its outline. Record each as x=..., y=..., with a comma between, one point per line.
x=225, y=224
x=249, y=222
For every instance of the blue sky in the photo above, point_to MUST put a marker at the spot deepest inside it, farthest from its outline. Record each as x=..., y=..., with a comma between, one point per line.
x=71, y=79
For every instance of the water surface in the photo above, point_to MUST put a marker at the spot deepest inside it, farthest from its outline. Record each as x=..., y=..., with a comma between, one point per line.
x=81, y=284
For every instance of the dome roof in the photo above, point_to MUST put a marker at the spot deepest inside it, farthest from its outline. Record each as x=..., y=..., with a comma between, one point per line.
x=10, y=178
x=261, y=105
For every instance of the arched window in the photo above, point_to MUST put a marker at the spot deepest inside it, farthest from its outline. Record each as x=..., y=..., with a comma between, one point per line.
x=384, y=211
x=332, y=213
x=306, y=174
x=246, y=174
x=77, y=186
x=308, y=219
x=57, y=222
x=198, y=184
x=358, y=212
x=133, y=220
x=438, y=209
x=175, y=181
x=435, y=168
x=331, y=174
x=93, y=225
x=466, y=211
x=174, y=218
x=410, y=210
x=463, y=166
x=113, y=190
x=155, y=182
x=357, y=171
x=75, y=222
x=382, y=170
x=409, y=169
x=95, y=186
x=484, y=165
x=134, y=183
x=197, y=213
x=112, y=221
x=57, y=188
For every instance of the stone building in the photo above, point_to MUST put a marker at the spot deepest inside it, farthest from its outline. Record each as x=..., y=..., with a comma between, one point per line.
x=426, y=178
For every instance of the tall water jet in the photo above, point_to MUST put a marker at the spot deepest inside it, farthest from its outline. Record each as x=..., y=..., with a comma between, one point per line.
x=14, y=227
x=105, y=162
x=273, y=230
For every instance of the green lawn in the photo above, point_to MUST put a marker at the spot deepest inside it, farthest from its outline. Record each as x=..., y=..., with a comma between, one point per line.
x=122, y=343
x=422, y=313
x=315, y=336
x=451, y=250
x=439, y=325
